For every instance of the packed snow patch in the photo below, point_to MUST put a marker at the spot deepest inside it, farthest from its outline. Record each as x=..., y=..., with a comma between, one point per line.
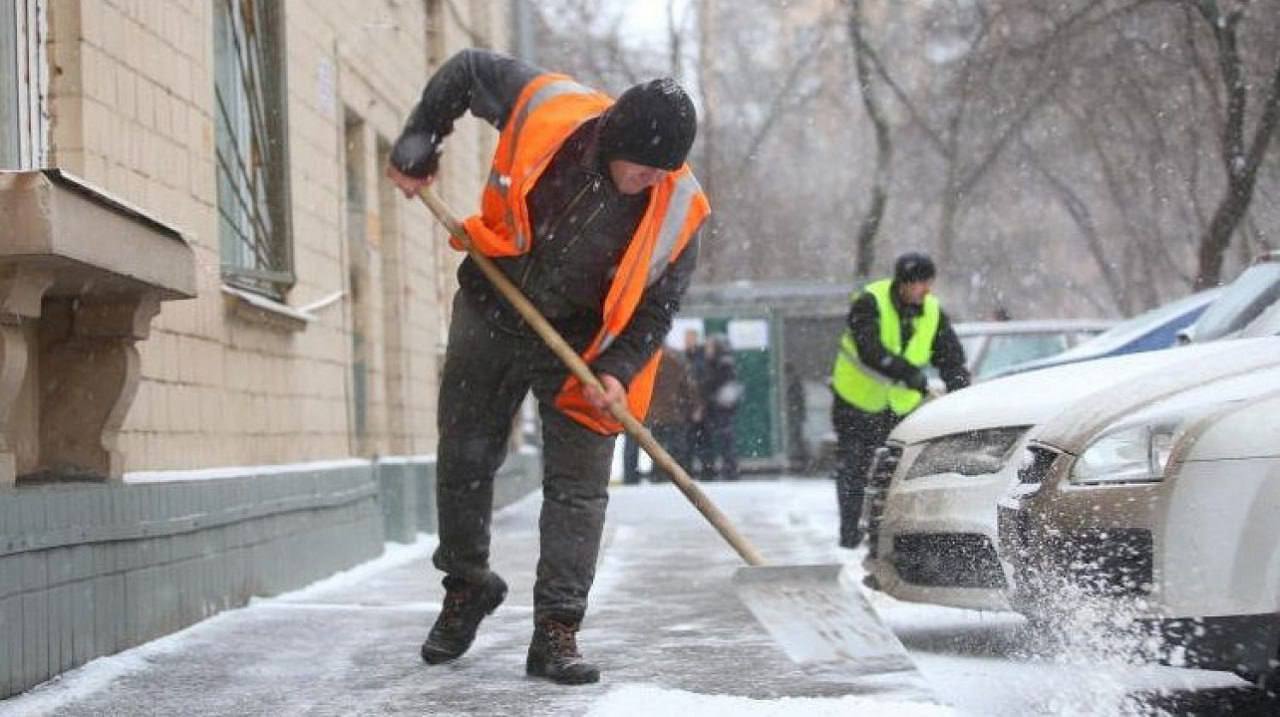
x=644, y=700
x=98, y=674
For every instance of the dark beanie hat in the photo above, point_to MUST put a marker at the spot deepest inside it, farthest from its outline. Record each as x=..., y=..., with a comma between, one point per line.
x=652, y=123
x=913, y=266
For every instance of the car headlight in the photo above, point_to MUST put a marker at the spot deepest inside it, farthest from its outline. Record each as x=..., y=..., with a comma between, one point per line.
x=1133, y=454
x=971, y=453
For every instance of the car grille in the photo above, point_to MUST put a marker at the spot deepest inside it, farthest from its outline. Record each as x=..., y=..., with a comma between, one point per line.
x=883, y=465
x=962, y=560
x=1036, y=471
x=1115, y=562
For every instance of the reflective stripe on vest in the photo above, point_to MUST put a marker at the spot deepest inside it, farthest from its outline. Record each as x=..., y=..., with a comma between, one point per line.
x=677, y=207
x=549, y=109
x=502, y=183
x=862, y=385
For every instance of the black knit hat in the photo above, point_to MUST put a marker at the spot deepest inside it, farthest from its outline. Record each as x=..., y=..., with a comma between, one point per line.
x=652, y=123
x=913, y=266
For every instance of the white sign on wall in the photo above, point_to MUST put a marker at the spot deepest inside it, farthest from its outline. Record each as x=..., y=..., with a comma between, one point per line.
x=675, y=337
x=747, y=334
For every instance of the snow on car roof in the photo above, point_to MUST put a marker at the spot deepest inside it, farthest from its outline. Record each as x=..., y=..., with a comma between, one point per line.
x=1028, y=399
x=1073, y=427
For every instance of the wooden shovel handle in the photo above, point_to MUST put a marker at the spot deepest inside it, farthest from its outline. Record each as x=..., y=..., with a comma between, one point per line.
x=583, y=373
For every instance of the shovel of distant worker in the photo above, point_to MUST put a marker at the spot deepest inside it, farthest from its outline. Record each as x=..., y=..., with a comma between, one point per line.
x=822, y=622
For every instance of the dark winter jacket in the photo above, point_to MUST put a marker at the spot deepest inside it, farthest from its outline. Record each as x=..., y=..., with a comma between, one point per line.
x=581, y=223
x=721, y=391
x=675, y=392
x=948, y=353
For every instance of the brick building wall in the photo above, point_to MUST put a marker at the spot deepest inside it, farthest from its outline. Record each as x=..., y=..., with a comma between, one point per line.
x=132, y=110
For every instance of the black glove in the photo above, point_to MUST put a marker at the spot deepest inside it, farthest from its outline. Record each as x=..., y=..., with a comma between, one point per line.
x=918, y=382
x=416, y=155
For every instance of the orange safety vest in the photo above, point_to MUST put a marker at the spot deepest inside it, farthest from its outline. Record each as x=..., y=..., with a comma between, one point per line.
x=547, y=112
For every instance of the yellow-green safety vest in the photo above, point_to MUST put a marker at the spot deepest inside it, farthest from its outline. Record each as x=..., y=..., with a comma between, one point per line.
x=864, y=387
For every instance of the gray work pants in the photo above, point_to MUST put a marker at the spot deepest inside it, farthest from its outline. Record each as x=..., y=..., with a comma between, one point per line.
x=487, y=373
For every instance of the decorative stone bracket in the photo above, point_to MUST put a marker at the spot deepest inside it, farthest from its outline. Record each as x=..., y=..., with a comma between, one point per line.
x=81, y=276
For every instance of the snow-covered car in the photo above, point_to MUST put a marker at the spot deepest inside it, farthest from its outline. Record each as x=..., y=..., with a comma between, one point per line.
x=1149, y=331
x=1160, y=498
x=930, y=509
x=1242, y=301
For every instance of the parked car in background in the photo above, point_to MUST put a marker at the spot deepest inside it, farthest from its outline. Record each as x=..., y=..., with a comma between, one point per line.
x=930, y=510
x=1148, y=331
x=992, y=346
x=1243, y=300
x=1159, y=503
x=1267, y=324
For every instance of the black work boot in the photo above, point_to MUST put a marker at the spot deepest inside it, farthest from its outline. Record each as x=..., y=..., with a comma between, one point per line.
x=553, y=654
x=465, y=605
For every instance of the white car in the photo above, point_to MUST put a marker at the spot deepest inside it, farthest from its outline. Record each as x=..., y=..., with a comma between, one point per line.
x=930, y=510
x=1161, y=498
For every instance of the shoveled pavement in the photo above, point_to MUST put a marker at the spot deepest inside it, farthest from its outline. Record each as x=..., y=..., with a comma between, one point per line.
x=663, y=613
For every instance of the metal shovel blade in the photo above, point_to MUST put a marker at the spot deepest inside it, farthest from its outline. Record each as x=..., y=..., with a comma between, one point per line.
x=825, y=624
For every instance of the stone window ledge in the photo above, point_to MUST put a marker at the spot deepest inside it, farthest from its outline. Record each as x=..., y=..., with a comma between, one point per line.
x=258, y=309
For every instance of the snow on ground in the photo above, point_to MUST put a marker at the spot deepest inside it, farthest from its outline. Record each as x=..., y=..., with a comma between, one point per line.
x=978, y=663
x=644, y=701
x=225, y=472
x=981, y=662
x=98, y=674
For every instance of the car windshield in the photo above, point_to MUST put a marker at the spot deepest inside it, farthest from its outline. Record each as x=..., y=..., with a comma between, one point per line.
x=1267, y=324
x=1138, y=326
x=1005, y=351
x=1242, y=301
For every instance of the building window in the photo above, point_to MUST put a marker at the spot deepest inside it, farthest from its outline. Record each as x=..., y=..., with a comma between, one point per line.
x=253, y=197
x=23, y=80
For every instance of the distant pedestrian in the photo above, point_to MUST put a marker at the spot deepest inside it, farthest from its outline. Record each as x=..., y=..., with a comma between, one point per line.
x=696, y=359
x=721, y=395
x=630, y=460
x=676, y=404
x=796, y=412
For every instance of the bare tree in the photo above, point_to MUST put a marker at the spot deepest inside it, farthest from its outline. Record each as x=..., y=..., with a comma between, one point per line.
x=1059, y=156
x=863, y=56
x=1241, y=156
x=765, y=71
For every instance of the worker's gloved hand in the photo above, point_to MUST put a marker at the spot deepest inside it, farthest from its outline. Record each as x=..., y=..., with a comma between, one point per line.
x=614, y=392
x=918, y=382
x=414, y=161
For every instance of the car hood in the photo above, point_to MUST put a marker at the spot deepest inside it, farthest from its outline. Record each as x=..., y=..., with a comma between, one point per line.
x=1029, y=399
x=1186, y=382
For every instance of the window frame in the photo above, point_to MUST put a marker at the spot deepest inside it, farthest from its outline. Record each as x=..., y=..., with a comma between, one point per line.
x=251, y=152
x=24, y=132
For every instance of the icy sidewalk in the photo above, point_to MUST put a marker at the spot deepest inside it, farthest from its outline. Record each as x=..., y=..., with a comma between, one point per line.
x=665, y=627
